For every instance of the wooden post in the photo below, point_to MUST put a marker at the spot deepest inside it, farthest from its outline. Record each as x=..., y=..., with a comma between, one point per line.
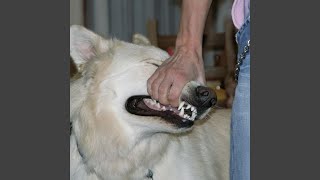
x=152, y=32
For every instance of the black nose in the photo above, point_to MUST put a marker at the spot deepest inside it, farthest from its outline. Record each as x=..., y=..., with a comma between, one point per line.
x=206, y=96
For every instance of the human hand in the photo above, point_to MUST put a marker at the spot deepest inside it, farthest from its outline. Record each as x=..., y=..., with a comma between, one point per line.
x=167, y=82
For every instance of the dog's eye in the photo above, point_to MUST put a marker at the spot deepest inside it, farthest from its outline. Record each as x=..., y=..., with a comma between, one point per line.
x=153, y=64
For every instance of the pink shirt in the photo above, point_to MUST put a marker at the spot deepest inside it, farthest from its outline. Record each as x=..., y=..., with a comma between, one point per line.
x=240, y=11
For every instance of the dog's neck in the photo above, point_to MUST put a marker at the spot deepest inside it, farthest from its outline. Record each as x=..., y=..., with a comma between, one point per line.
x=135, y=153
x=109, y=146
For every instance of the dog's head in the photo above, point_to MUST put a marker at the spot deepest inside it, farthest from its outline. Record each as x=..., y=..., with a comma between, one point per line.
x=114, y=78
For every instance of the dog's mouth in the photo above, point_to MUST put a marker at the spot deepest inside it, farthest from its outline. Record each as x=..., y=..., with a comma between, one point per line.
x=183, y=116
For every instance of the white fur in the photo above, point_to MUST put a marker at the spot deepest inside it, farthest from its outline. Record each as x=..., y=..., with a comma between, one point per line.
x=140, y=40
x=117, y=145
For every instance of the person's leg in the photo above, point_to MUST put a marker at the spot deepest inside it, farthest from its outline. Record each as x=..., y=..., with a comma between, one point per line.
x=240, y=118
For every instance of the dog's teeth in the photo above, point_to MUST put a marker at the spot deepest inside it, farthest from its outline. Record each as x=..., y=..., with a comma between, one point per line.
x=180, y=105
x=158, y=105
x=193, y=115
x=152, y=101
x=186, y=116
x=163, y=108
x=147, y=100
x=188, y=107
x=181, y=112
x=194, y=109
x=171, y=109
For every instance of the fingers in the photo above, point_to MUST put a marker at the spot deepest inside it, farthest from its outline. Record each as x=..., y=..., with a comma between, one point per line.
x=155, y=85
x=167, y=83
x=156, y=80
x=155, y=76
x=150, y=81
x=201, y=80
x=175, y=91
x=201, y=76
x=164, y=89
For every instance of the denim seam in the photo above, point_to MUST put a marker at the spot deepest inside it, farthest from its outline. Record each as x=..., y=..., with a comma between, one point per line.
x=242, y=28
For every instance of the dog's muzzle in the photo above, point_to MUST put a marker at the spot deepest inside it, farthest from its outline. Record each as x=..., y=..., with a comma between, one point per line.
x=191, y=107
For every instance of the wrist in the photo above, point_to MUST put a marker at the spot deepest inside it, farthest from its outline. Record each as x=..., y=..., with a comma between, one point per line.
x=188, y=41
x=194, y=52
x=189, y=46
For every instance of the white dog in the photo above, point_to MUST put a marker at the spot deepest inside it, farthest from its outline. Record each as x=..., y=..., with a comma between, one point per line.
x=120, y=133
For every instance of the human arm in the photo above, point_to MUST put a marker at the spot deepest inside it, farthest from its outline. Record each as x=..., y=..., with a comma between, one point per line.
x=167, y=82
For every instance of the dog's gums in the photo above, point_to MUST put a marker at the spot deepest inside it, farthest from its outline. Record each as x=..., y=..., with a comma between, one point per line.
x=145, y=106
x=185, y=110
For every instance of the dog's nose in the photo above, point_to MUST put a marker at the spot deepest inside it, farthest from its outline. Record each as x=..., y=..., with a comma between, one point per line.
x=206, y=95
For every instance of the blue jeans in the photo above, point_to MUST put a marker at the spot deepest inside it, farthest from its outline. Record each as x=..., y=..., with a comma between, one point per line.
x=240, y=118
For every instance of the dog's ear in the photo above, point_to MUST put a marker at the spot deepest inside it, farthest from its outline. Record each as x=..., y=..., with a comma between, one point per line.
x=85, y=45
x=140, y=39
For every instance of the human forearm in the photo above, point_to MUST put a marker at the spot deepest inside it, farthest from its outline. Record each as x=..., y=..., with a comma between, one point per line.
x=193, y=17
x=186, y=64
